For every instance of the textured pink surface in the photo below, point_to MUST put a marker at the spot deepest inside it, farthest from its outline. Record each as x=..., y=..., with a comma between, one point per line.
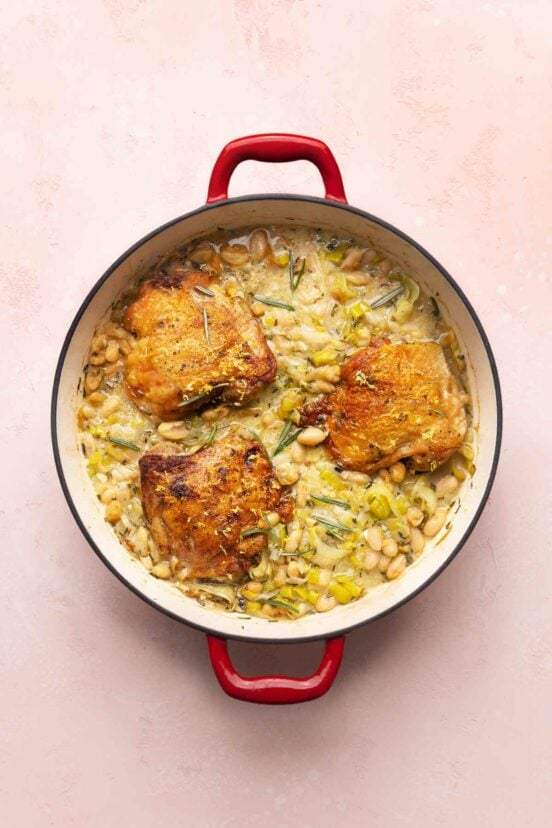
x=112, y=114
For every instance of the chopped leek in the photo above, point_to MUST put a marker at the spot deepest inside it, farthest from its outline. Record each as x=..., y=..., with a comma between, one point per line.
x=403, y=311
x=332, y=478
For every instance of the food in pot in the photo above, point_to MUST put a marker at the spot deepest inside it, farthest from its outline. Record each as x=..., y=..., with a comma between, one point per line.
x=206, y=509
x=396, y=401
x=276, y=421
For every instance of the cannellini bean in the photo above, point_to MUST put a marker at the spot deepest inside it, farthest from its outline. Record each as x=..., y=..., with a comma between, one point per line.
x=93, y=380
x=267, y=419
x=355, y=477
x=269, y=611
x=325, y=603
x=110, y=405
x=396, y=567
x=414, y=516
x=352, y=258
x=86, y=411
x=176, y=430
x=161, y=570
x=280, y=576
x=371, y=560
x=273, y=518
x=383, y=563
x=324, y=577
x=255, y=587
x=297, y=452
x=360, y=278
x=99, y=343
x=292, y=541
x=96, y=398
x=384, y=475
x=113, y=511
x=301, y=495
x=312, y=436
x=147, y=562
x=173, y=563
x=368, y=256
x=374, y=538
x=97, y=359
x=236, y=254
x=328, y=373
x=383, y=267
x=417, y=540
x=287, y=474
x=390, y=547
x=112, y=352
x=323, y=387
x=397, y=472
x=434, y=523
x=258, y=245
x=140, y=541
x=202, y=254
x=258, y=309
x=293, y=569
x=446, y=486
x=108, y=494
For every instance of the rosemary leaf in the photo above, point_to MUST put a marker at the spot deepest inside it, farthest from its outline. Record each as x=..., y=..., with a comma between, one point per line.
x=204, y=290
x=340, y=503
x=206, y=327
x=120, y=442
x=387, y=297
x=332, y=524
x=285, y=431
x=273, y=302
x=282, y=604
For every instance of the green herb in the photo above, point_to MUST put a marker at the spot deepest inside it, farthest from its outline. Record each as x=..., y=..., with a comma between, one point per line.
x=335, y=534
x=206, y=291
x=288, y=441
x=211, y=438
x=206, y=327
x=282, y=437
x=387, y=297
x=275, y=603
x=436, y=309
x=332, y=500
x=273, y=302
x=331, y=524
x=257, y=531
x=193, y=399
x=119, y=442
x=262, y=445
x=436, y=411
x=291, y=272
x=295, y=284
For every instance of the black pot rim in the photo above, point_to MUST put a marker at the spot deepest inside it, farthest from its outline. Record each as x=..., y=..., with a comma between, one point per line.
x=244, y=200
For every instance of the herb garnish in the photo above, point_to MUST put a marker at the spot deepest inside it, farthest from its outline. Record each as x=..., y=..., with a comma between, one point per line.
x=257, y=531
x=193, y=399
x=436, y=411
x=206, y=291
x=273, y=302
x=296, y=279
x=120, y=442
x=331, y=523
x=275, y=603
x=332, y=500
x=281, y=439
x=387, y=297
x=287, y=441
x=206, y=327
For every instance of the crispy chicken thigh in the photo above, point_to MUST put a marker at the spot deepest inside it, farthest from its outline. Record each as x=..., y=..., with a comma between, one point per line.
x=395, y=401
x=192, y=343
x=200, y=506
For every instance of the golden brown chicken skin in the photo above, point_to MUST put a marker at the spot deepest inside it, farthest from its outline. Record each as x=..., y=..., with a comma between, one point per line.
x=200, y=507
x=395, y=401
x=192, y=343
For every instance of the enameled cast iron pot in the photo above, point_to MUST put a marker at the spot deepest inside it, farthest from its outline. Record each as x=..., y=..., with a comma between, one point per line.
x=331, y=212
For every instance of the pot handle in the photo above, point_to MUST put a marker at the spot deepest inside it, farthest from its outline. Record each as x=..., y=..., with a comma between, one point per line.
x=277, y=148
x=275, y=689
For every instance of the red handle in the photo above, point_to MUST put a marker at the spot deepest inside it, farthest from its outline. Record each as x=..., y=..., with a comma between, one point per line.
x=278, y=148
x=275, y=689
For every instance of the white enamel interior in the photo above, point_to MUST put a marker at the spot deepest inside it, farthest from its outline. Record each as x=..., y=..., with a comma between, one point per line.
x=274, y=210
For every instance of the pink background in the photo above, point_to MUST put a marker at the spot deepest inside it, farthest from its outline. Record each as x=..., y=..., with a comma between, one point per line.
x=112, y=115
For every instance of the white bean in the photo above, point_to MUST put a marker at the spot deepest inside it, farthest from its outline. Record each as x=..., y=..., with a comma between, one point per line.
x=417, y=540
x=390, y=547
x=446, y=486
x=371, y=560
x=312, y=436
x=396, y=566
x=287, y=474
x=434, y=523
x=374, y=537
x=325, y=603
x=292, y=541
x=414, y=516
x=176, y=430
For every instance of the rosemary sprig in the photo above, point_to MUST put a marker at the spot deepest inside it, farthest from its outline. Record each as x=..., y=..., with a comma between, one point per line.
x=387, y=297
x=262, y=445
x=211, y=438
x=257, y=531
x=300, y=274
x=120, y=442
x=282, y=604
x=340, y=503
x=285, y=431
x=193, y=399
x=206, y=327
x=204, y=290
x=436, y=411
x=331, y=524
x=288, y=441
x=291, y=272
x=273, y=302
